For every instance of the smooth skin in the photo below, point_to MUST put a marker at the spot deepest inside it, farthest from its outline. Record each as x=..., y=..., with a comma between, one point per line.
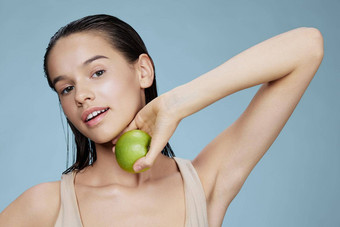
x=109, y=196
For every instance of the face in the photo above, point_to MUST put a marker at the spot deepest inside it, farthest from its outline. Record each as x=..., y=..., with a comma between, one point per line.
x=100, y=92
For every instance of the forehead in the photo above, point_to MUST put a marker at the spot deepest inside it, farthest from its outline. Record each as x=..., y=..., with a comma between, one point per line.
x=75, y=49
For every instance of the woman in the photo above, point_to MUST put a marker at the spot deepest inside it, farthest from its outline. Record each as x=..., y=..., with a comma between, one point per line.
x=105, y=82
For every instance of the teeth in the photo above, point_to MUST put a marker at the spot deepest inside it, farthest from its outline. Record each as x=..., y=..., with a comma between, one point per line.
x=95, y=113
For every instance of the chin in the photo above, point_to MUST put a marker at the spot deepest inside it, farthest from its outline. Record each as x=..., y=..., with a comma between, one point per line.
x=105, y=133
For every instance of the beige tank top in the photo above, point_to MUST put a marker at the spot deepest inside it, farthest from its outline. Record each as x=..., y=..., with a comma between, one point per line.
x=195, y=202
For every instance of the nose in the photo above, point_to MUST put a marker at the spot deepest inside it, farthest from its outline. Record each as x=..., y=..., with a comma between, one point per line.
x=83, y=94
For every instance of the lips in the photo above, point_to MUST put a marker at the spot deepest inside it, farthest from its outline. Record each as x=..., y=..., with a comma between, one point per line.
x=93, y=113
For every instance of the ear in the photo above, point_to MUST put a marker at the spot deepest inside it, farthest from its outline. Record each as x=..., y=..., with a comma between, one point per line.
x=145, y=71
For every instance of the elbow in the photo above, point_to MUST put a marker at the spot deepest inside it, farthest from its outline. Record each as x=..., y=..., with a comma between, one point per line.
x=315, y=45
x=318, y=46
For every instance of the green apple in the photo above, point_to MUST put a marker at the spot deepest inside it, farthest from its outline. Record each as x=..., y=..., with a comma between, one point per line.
x=130, y=147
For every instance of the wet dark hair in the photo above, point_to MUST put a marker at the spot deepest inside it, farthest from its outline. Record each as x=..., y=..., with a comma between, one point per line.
x=124, y=39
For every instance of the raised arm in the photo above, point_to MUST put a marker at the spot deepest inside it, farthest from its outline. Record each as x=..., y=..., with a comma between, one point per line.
x=284, y=64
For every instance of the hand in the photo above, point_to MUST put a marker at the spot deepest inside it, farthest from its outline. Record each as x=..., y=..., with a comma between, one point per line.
x=158, y=120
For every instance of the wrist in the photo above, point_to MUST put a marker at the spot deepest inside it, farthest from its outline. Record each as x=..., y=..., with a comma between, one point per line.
x=173, y=102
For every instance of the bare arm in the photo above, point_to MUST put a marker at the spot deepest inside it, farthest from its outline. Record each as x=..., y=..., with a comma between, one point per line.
x=38, y=206
x=284, y=64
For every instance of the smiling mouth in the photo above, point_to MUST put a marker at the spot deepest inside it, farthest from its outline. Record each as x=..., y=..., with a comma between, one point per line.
x=95, y=114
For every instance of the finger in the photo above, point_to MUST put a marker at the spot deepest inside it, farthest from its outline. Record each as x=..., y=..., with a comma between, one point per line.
x=158, y=142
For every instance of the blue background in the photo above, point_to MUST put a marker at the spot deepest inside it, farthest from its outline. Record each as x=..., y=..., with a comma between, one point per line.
x=297, y=183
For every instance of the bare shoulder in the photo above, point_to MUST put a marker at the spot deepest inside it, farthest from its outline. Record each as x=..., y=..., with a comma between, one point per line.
x=37, y=206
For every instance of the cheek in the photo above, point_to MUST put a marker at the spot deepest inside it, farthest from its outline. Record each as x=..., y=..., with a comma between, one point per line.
x=67, y=109
x=110, y=89
x=122, y=93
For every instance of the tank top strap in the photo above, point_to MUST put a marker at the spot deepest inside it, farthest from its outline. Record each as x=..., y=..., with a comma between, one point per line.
x=69, y=212
x=195, y=201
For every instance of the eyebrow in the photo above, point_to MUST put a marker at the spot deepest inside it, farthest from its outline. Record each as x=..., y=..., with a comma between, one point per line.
x=58, y=78
x=88, y=61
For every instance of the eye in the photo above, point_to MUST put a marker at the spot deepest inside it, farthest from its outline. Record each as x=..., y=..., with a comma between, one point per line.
x=66, y=90
x=98, y=73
